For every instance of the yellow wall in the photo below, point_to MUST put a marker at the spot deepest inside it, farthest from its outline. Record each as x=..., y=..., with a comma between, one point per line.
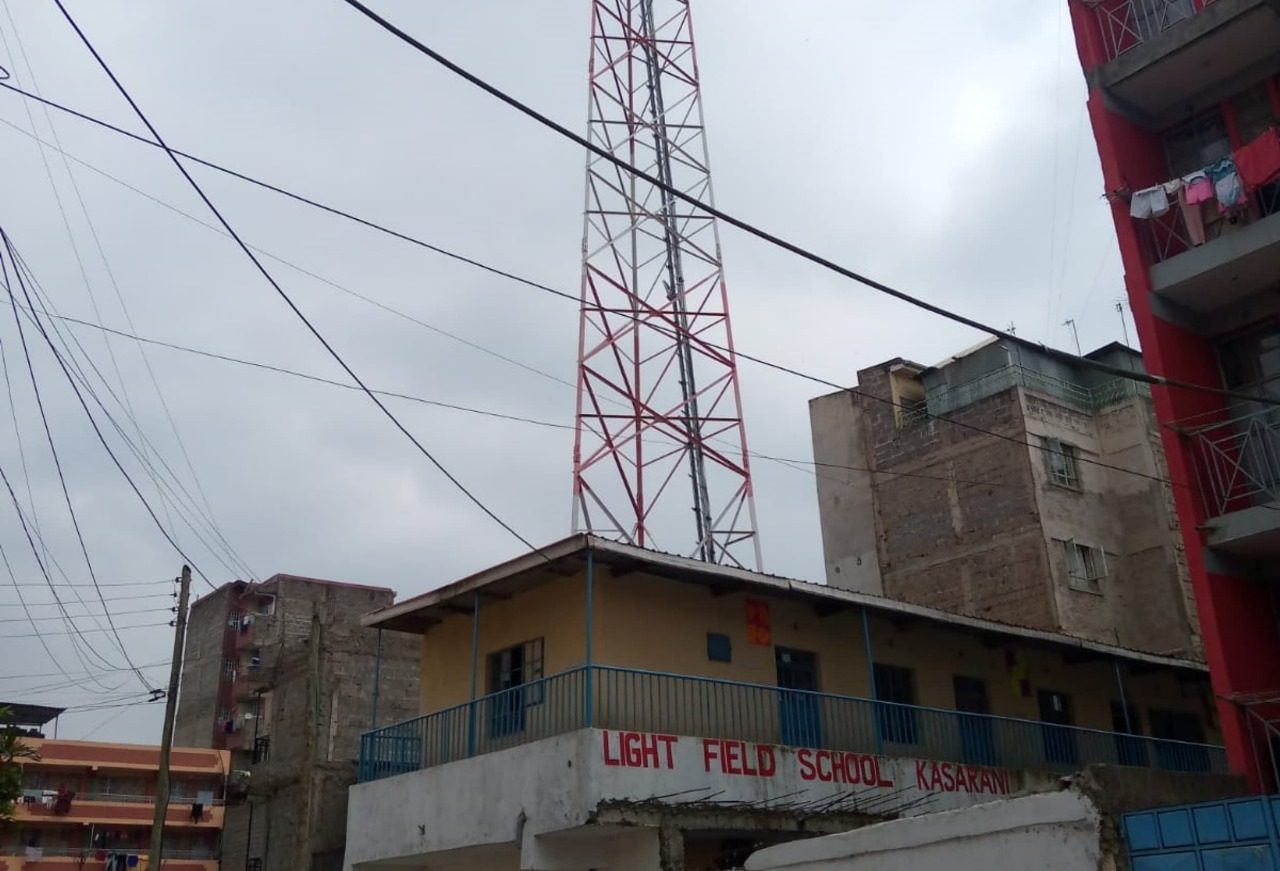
x=655, y=624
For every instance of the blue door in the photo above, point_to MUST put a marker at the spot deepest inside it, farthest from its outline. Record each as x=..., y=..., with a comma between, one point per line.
x=799, y=711
x=977, y=740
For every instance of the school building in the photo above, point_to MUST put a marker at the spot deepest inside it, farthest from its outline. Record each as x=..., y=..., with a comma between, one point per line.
x=597, y=705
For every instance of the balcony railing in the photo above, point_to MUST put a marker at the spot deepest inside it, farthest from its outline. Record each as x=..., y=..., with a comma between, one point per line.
x=1237, y=462
x=1166, y=235
x=946, y=399
x=1127, y=24
x=643, y=701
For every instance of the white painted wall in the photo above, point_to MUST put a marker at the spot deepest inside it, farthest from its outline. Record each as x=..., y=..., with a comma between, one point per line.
x=526, y=795
x=1058, y=830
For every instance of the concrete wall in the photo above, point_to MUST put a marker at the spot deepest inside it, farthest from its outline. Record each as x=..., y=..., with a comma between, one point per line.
x=1057, y=830
x=194, y=721
x=658, y=624
x=971, y=523
x=844, y=492
x=311, y=647
x=547, y=796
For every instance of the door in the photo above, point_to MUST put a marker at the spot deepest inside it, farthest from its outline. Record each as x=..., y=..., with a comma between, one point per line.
x=1058, y=739
x=800, y=710
x=977, y=739
x=1189, y=752
x=506, y=694
x=1130, y=748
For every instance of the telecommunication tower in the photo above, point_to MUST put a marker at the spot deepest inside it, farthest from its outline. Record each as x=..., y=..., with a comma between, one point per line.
x=658, y=392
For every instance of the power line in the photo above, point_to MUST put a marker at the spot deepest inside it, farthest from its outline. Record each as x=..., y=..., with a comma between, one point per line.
x=779, y=242
x=82, y=616
x=8, y=245
x=137, y=598
x=790, y=462
x=102, y=584
x=66, y=493
x=280, y=290
x=156, y=477
x=78, y=631
x=1082, y=361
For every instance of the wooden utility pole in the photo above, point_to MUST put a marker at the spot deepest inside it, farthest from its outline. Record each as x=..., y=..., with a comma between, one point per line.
x=170, y=708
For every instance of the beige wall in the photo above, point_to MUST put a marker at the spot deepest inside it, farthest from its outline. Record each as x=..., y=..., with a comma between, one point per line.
x=654, y=624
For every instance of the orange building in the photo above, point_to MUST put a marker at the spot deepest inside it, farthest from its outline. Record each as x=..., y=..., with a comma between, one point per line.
x=86, y=804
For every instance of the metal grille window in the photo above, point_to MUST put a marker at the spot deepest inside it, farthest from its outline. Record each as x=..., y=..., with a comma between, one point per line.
x=1197, y=143
x=228, y=669
x=515, y=676
x=897, y=685
x=1086, y=566
x=1062, y=462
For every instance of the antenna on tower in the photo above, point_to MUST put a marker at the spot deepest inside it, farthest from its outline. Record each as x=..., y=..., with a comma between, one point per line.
x=658, y=396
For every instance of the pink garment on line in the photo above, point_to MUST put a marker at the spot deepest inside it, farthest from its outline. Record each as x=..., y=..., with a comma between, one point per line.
x=1192, y=217
x=1198, y=190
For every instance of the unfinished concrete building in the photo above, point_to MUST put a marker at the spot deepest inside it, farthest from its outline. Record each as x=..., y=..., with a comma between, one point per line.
x=1006, y=485
x=282, y=674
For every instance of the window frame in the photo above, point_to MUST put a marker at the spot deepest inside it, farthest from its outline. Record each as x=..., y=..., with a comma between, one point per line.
x=1056, y=450
x=1092, y=562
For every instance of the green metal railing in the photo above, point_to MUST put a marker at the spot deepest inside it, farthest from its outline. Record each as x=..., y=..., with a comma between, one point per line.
x=647, y=701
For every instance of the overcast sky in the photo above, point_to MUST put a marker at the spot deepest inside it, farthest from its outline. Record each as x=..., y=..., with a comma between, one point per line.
x=940, y=147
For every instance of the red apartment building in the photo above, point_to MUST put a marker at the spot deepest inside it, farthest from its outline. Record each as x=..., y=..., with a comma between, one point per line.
x=1177, y=88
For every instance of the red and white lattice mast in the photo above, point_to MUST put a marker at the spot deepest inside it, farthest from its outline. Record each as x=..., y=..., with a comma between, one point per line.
x=659, y=408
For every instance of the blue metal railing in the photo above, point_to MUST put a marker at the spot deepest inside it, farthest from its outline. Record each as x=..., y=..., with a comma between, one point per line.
x=674, y=704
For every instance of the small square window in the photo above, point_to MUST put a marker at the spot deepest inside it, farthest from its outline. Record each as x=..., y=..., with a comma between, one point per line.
x=1086, y=566
x=719, y=647
x=1061, y=459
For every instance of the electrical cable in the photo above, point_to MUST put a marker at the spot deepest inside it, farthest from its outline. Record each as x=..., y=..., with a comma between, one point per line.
x=8, y=246
x=78, y=631
x=281, y=292
x=79, y=616
x=66, y=493
x=139, y=454
x=9, y=568
x=548, y=289
x=102, y=254
x=282, y=370
x=777, y=241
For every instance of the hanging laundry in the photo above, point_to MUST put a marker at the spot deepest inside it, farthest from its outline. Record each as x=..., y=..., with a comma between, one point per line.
x=1259, y=162
x=1227, y=185
x=1198, y=187
x=1192, y=217
x=1149, y=203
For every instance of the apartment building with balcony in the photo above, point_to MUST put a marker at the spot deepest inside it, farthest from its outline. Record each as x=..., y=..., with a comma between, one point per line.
x=596, y=705
x=282, y=675
x=1004, y=484
x=1176, y=88
x=85, y=802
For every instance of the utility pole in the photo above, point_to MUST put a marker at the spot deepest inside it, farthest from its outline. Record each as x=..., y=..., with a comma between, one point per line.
x=170, y=708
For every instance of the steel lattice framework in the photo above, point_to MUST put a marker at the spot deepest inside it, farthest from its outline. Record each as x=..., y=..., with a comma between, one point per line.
x=658, y=392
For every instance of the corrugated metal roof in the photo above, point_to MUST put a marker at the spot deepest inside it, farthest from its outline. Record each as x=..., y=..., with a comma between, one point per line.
x=565, y=557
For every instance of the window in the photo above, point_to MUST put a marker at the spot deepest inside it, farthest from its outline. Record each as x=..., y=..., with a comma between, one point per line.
x=1060, y=458
x=510, y=672
x=897, y=685
x=719, y=647
x=1086, y=566
x=254, y=864
x=228, y=668
x=1197, y=143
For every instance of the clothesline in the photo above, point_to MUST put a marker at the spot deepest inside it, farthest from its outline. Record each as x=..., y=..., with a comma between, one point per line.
x=1229, y=181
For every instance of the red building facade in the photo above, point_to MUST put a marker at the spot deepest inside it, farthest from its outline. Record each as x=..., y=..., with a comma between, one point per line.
x=1178, y=87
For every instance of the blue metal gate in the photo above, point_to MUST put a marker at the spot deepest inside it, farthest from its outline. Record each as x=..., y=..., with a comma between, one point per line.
x=1237, y=835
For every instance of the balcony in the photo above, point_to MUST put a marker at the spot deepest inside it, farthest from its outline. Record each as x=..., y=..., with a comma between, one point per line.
x=1242, y=260
x=1237, y=465
x=652, y=704
x=78, y=858
x=1178, y=56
